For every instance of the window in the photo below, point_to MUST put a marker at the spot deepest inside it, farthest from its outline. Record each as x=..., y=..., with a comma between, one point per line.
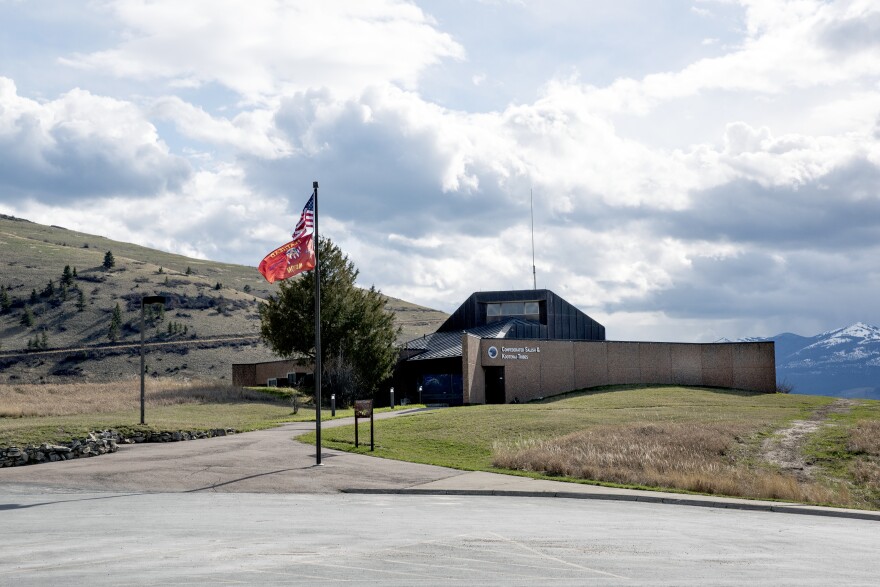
x=512, y=308
x=525, y=310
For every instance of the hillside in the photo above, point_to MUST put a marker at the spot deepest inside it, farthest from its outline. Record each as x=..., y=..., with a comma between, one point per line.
x=210, y=320
x=843, y=363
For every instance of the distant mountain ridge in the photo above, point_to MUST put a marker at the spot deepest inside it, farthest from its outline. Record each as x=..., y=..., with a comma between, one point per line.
x=843, y=363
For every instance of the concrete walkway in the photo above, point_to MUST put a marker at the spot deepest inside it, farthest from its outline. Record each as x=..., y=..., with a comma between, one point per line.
x=270, y=461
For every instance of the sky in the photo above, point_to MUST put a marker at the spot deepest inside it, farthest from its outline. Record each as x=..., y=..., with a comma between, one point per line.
x=698, y=169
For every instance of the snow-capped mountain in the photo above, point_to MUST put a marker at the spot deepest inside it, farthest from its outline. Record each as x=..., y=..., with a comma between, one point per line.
x=843, y=362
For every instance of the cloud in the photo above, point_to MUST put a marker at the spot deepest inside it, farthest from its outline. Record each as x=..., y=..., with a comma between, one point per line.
x=280, y=48
x=81, y=146
x=858, y=30
x=214, y=215
x=252, y=132
x=726, y=196
x=399, y=163
x=838, y=211
x=782, y=50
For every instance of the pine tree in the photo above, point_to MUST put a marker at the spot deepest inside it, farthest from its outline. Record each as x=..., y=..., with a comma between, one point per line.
x=80, y=301
x=189, y=271
x=109, y=261
x=27, y=319
x=357, y=334
x=66, y=276
x=115, y=324
x=74, y=273
x=34, y=298
x=5, y=301
x=49, y=290
x=44, y=340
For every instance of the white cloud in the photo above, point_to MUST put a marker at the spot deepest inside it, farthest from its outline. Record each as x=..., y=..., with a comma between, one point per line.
x=787, y=47
x=213, y=216
x=80, y=145
x=274, y=48
x=251, y=132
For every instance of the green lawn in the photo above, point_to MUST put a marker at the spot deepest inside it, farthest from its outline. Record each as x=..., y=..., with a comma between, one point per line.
x=463, y=437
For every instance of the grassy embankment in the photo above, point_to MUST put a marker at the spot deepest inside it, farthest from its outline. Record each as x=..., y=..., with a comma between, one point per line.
x=33, y=414
x=849, y=449
x=700, y=440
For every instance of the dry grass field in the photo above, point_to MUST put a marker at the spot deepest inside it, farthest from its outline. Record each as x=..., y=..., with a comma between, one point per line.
x=28, y=400
x=33, y=414
x=690, y=456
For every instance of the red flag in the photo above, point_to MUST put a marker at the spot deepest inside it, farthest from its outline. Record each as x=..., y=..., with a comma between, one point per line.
x=289, y=260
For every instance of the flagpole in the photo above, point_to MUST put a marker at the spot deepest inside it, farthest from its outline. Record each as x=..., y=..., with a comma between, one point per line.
x=532, y=210
x=317, y=335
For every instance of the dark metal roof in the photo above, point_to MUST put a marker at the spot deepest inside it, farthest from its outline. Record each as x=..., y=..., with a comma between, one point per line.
x=444, y=345
x=559, y=319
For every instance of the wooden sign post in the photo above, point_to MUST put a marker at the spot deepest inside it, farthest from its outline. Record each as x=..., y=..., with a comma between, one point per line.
x=362, y=409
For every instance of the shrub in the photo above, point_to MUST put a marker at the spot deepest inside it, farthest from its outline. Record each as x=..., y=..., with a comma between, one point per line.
x=784, y=387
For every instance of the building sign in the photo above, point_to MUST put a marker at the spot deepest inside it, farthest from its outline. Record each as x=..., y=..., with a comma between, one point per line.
x=520, y=353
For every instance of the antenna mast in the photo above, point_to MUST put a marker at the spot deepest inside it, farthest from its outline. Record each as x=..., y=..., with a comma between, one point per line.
x=532, y=208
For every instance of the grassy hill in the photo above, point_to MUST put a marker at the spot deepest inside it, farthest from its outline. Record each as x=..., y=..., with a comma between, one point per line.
x=210, y=320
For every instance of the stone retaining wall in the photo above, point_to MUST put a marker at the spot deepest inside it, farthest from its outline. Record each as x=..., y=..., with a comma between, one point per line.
x=96, y=443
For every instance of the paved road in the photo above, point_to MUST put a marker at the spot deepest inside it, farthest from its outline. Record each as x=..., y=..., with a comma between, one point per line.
x=111, y=347
x=266, y=461
x=318, y=539
x=253, y=508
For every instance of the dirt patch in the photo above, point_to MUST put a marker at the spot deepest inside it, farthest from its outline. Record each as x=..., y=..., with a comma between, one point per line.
x=785, y=448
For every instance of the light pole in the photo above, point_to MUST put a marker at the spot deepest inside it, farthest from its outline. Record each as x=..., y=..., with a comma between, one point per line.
x=145, y=301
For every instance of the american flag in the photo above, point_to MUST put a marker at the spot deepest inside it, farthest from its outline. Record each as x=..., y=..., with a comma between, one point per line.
x=306, y=224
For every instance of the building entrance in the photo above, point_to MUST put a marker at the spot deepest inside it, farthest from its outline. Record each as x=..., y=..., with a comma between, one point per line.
x=494, y=385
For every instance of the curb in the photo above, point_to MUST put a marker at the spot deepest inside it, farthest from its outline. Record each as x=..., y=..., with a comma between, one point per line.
x=760, y=507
